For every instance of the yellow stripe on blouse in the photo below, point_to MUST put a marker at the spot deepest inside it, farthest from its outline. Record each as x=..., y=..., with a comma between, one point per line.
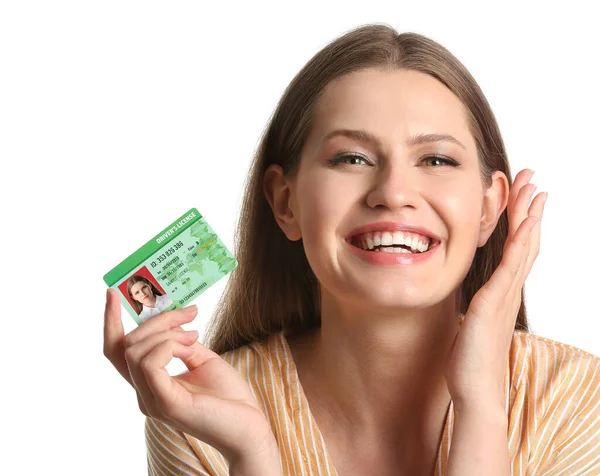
x=552, y=402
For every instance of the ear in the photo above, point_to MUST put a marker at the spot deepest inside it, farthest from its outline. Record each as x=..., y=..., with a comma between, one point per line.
x=278, y=191
x=495, y=200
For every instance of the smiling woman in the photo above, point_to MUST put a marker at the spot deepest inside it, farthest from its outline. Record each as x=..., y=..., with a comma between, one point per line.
x=376, y=322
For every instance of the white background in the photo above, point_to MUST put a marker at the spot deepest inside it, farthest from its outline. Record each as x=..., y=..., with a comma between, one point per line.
x=110, y=114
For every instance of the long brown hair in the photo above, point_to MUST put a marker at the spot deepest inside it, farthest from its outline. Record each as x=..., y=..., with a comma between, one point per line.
x=137, y=306
x=274, y=288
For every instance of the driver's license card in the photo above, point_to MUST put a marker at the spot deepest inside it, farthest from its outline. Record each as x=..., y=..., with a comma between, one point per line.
x=172, y=269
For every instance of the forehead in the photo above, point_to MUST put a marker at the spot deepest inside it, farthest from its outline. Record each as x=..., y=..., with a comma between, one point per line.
x=391, y=104
x=138, y=285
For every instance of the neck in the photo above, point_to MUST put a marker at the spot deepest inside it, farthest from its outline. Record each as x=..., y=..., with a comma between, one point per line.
x=378, y=374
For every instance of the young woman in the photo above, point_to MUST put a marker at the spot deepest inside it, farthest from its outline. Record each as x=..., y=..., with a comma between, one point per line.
x=376, y=323
x=145, y=297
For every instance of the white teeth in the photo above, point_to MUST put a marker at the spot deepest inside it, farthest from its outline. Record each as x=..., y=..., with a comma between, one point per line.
x=386, y=239
x=393, y=249
x=401, y=250
x=374, y=239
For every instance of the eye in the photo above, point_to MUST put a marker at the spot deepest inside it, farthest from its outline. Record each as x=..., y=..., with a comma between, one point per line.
x=354, y=159
x=351, y=159
x=444, y=160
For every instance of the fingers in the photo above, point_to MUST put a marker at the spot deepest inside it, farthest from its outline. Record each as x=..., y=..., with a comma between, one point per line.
x=138, y=351
x=519, y=197
x=506, y=279
x=520, y=207
x=525, y=249
x=163, y=322
x=160, y=395
x=116, y=343
x=536, y=209
x=522, y=179
x=137, y=354
x=141, y=355
x=114, y=334
x=200, y=356
x=511, y=272
x=147, y=360
x=159, y=384
x=521, y=213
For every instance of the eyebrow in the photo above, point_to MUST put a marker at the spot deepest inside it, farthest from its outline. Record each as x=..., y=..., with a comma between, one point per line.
x=413, y=140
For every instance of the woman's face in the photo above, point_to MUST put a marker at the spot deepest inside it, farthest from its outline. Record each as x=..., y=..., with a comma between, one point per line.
x=142, y=292
x=390, y=181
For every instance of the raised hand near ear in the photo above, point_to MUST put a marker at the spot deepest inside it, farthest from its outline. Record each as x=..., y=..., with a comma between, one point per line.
x=477, y=359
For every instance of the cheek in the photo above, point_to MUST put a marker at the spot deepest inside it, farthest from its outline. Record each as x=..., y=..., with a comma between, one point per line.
x=462, y=213
x=322, y=205
x=465, y=211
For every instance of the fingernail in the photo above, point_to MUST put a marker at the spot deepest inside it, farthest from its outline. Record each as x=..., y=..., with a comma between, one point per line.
x=191, y=308
x=191, y=333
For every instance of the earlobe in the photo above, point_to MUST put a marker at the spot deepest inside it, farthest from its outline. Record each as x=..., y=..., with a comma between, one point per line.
x=494, y=204
x=278, y=192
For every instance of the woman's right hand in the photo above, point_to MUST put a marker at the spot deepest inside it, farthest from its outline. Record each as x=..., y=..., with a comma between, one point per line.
x=211, y=401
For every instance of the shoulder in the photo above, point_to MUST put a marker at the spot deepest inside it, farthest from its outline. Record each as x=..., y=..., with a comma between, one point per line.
x=269, y=369
x=262, y=363
x=554, y=405
x=536, y=358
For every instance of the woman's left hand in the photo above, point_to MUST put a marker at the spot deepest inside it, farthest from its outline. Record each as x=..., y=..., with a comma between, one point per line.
x=477, y=359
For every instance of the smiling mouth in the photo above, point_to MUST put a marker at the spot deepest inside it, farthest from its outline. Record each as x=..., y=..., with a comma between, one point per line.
x=393, y=248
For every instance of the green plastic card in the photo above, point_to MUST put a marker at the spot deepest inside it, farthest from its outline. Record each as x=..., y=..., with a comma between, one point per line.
x=172, y=269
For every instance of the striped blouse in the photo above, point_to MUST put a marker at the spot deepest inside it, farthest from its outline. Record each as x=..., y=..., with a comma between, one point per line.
x=552, y=401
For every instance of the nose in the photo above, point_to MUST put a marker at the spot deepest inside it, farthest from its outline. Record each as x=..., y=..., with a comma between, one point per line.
x=395, y=186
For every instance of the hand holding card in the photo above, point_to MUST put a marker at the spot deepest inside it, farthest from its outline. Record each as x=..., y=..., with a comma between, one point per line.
x=210, y=402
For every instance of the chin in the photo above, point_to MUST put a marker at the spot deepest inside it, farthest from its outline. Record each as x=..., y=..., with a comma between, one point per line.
x=390, y=297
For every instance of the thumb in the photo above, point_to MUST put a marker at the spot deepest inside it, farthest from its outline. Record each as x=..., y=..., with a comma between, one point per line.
x=114, y=334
